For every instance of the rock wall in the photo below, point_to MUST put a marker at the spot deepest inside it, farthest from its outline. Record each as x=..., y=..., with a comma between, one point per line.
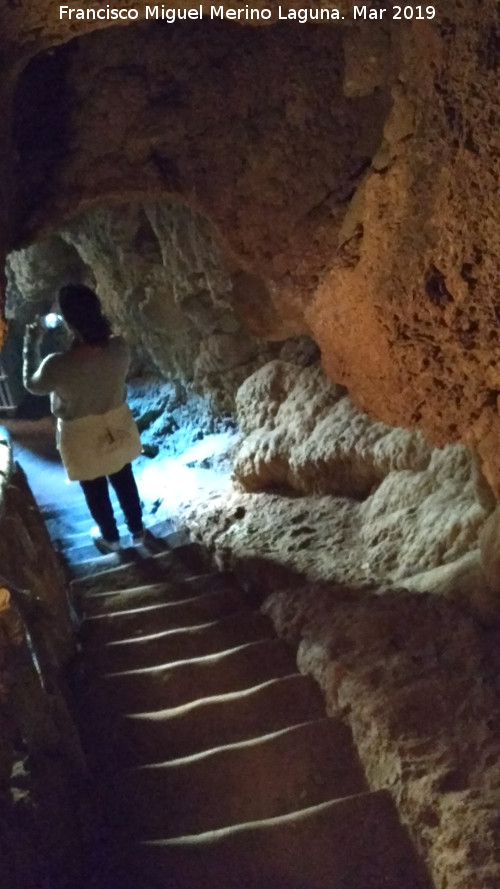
x=353, y=188
x=165, y=285
x=392, y=598
x=44, y=803
x=327, y=492
x=267, y=160
x=304, y=434
x=416, y=680
x=425, y=322
x=32, y=25
x=356, y=179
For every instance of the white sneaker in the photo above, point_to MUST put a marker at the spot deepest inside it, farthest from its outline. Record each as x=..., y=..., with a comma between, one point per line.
x=104, y=546
x=138, y=539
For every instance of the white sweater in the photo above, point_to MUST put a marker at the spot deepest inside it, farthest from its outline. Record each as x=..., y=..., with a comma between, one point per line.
x=84, y=380
x=96, y=433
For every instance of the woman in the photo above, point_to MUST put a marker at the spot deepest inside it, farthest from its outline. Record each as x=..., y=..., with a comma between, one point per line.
x=96, y=433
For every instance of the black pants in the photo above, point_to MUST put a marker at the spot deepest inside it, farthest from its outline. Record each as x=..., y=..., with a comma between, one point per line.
x=96, y=494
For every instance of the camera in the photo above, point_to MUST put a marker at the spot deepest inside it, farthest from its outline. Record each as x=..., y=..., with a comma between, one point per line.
x=51, y=321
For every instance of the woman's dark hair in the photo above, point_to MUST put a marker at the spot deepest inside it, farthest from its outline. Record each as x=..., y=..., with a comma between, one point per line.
x=81, y=309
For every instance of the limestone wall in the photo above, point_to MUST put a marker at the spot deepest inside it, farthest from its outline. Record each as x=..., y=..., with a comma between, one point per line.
x=165, y=285
x=299, y=432
x=327, y=491
x=356, y=178
x=416, y=679
x=376, y=558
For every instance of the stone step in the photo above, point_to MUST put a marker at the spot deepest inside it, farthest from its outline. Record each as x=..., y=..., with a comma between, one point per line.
x=352, y=843
x=165, y=686
x=75, y=556
x=204, y=725
x=80, y=548
x=62, y=526
x=155, y=594
x=131, y=564
x=76, y=523
x=204, y=608
x=86, y=561
x=75, y=517
x=65, y=531
x=273, y=775
x=183, y=562
x=184, y=644
x=97, y=563
x=77, y=513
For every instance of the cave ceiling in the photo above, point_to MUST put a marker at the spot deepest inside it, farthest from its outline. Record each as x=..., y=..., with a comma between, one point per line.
x=353, y=169
x=33, y=25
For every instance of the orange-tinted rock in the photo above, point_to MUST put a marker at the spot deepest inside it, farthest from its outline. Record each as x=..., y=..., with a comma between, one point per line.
x=352, y=170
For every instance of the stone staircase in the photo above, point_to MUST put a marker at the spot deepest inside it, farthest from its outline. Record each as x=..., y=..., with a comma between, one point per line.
x=217, y=766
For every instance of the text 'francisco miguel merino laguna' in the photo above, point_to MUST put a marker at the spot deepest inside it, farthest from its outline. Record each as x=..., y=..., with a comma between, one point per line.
x=246, y=13
x=167, y=14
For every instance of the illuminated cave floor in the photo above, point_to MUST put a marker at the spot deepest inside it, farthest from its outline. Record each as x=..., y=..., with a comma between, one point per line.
x=216, y=765
x=164, y=482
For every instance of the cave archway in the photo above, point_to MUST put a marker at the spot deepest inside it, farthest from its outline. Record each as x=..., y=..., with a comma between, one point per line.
x=251, y=127
x=334, y=163
x=166, y=283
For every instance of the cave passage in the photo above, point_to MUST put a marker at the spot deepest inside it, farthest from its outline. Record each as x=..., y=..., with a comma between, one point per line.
x=164, y=483
x=187, y=704
x=295, y=227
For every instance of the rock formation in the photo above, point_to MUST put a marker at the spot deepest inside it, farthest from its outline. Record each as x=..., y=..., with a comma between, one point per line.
x=44, y=803
x=304, y=435
x=164, y=285
x=414, y=678
x=355, y=178
x=231, y=189
x=346, y=497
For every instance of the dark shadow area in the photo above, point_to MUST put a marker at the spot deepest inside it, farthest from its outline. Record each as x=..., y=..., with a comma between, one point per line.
x=40, y=128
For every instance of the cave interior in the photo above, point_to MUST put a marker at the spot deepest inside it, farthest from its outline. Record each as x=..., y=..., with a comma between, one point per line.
x=294, y=225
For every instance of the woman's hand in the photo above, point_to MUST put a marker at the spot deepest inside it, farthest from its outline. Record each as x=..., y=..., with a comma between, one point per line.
x=33, y=334
x=34, y=330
